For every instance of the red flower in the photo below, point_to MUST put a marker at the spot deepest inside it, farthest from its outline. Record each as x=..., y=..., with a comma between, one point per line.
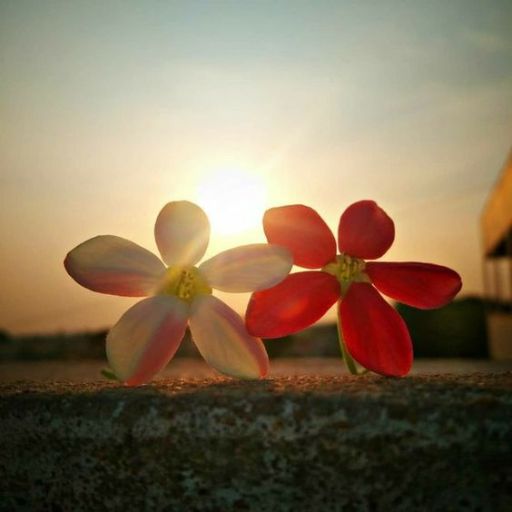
x=375, y=334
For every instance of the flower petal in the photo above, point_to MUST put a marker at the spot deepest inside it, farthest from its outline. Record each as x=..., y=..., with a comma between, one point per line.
x=146, y=338
x=223, y=341
x=422, y=285
x=110, y=264
x=182, y=232
x=301, y=230
x=294, y=304
x=375, y=334
x=365, y=230
x=247, y=268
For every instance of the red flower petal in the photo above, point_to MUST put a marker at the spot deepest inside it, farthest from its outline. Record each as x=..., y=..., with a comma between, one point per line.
x=422, y=285
x=375, y=334
x=365, y=230
x=294, y=304
x=303, y=232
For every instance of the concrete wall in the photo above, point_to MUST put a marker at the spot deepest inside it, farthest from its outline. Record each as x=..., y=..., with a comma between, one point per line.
x=436, y=443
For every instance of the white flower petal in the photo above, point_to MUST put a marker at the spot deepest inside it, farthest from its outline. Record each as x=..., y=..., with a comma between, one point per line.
x=146, y=338
x=182, y=232
x=110, y=264
x=223, y=341
x=248, y=268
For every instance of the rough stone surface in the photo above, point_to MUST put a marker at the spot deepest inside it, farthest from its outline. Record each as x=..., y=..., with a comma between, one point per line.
x=436, y=443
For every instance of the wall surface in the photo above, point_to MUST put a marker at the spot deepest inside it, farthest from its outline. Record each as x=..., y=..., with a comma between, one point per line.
x=432, y=443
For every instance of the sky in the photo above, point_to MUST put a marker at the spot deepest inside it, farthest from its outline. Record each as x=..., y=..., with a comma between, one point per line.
x=110, y=109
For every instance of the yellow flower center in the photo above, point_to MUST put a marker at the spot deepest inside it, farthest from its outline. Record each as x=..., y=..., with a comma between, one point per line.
x=347, y=269
x=186, y=283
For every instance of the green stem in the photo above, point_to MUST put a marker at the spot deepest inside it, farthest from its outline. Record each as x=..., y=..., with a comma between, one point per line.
x=349, y=362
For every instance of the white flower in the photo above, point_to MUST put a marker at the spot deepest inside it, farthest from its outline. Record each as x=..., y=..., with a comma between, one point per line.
x=147, y=336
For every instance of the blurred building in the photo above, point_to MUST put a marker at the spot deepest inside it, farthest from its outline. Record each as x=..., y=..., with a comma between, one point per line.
x=496, y=225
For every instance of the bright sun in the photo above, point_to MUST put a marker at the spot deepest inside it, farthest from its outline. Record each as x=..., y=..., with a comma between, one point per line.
x=233, y=199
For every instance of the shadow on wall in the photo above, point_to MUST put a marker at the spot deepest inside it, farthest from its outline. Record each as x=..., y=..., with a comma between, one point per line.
x=457, y=330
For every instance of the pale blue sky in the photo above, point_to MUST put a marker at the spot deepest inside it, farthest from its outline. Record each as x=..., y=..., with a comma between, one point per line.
x=110, y=109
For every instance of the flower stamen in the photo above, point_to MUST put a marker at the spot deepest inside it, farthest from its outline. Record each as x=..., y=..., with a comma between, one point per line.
x=186, y=283
x=347, y=269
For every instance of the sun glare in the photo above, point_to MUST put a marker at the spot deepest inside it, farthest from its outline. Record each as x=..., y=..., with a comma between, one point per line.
x=234, y=200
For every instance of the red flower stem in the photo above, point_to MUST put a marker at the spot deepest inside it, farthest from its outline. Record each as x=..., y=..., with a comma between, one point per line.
x=347, y=358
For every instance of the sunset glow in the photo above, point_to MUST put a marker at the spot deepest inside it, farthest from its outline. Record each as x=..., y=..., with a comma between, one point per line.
x=110, y=110
x=234, y=200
